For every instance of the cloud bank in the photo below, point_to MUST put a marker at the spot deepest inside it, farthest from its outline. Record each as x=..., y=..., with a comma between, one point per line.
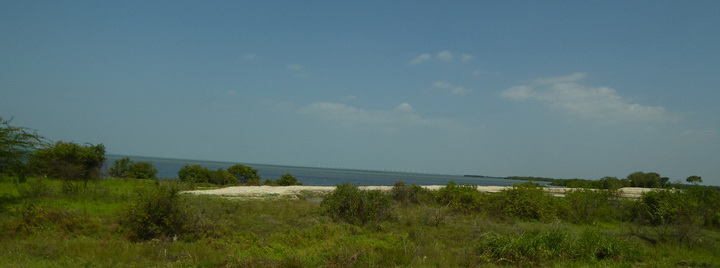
x=444, y=56
x=401, y=116
x=454, y=89
x=604, y=104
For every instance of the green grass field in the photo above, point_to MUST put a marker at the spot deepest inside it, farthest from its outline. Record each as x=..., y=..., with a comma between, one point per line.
x=48, y=224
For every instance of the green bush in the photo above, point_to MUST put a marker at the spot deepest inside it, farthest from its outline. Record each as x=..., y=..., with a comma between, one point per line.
x=36, y=188
x=525, y=201
x=592, y=206
x=538, y=248
x=287, y=179
x=120, y=167
x=696, y=205
x=157, y=213
x=243, y=173
x=463, y=198
x=348, y=203
x=142, y=170
x=30, y=218
x=70, y=161
x=411, y=194
x=222, y=177
x=194, y=174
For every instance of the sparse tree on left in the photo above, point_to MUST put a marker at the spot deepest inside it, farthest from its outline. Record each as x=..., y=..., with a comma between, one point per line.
x=16, y=145
x=70, y=161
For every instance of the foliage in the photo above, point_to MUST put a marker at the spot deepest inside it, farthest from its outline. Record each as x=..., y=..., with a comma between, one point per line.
x=348, y=203
x=194, y=174
x=611, y=183
x=141, y=170
x=463, y=198
x=536, y=248
x=16, y=144
x=411, y=194
x=694, y=179
x=126, y=168
x=243, y=173
x=647, y=180
x=222, y=177
x=694, y=206
x=120, y=167
x=87, y=230
x=527, y=201
x=286, y=179
x=156, y=214
x=592, y=206
x=70, y=161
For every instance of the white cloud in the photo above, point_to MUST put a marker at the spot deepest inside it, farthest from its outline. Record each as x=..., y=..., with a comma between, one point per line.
x=445, y=55
x=455, y=90
x=295, y=67
x=518, y=93
x=420, y=58
x=231, y=92
x=402, y=116
x=298, y=69
x=348, y=98
x=561, y=79
x=404, y=107
x=466, y=57
x=595, y=103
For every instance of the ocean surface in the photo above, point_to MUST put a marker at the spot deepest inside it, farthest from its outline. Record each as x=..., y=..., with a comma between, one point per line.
x=168, y=169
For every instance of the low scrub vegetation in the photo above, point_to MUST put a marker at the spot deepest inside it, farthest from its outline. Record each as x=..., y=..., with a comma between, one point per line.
x=150, y=223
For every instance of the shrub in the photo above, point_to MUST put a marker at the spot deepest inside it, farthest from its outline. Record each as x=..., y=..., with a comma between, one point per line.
x=126, y=168
x=155, y=214
x=36, y=188
x=16, y=144
x=70, y=162
x=194, y=173
x=287, y=179
x=142, y=170
x=464, y=198
x=348, y=203
x=411, y=194
x=31, y=217
x=536, y=248
x=526, y=201
x=243, y=173
x=591, y=206
x=120, y=167
x=222, y=177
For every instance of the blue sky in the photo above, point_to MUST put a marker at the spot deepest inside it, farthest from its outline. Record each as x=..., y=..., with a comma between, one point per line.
x=559, y=89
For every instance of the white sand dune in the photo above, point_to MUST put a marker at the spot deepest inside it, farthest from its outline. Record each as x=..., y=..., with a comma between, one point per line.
x=293, y=191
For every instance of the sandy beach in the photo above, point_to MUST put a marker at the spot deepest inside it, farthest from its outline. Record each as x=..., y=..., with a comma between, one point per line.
x=251, y=192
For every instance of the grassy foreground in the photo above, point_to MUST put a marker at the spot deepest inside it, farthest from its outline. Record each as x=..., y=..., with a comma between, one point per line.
x=46, y=223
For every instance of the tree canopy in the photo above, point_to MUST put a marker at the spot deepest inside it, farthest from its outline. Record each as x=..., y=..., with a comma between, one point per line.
x=70, y=161
x=16, y=144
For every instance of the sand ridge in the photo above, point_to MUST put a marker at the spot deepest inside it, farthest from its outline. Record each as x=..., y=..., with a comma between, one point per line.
x=295, y=190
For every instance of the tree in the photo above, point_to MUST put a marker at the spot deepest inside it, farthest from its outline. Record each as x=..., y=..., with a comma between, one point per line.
x=694, y=179
x=126, y=168
x=244, y=173
x=70, y=161
x=120, y=167
x=648, y=180
x=194, y=173
x=287, y=179
x=16, y=145
x=141, y=170
x=222, y=177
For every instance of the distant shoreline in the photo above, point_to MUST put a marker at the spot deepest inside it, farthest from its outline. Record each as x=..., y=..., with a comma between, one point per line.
x=251, y=192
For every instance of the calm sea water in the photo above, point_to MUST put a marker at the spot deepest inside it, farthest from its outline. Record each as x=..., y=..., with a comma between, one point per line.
x=168, y=168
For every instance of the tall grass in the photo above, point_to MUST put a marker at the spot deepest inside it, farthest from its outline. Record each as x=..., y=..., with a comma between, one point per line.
x=455, y=227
